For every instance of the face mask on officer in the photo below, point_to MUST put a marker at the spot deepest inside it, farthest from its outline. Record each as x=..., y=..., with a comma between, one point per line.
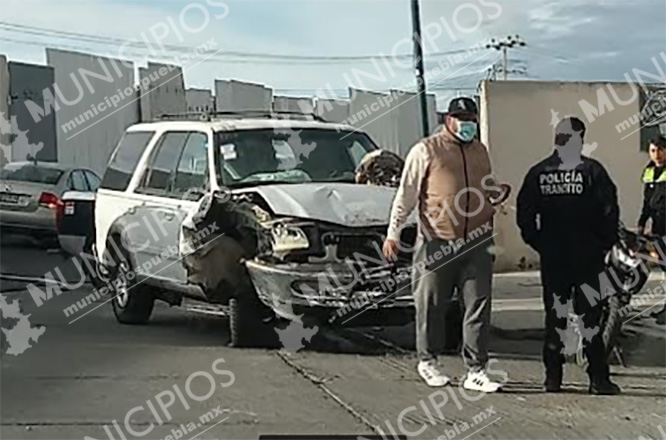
x=464, y=127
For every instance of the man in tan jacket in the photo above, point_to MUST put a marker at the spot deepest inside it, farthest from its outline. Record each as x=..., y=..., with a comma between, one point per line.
x=448, y=177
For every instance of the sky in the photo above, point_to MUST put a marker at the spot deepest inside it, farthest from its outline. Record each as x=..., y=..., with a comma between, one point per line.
x=566, y=40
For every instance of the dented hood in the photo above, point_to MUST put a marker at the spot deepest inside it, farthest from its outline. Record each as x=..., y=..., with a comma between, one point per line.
x=345, y=204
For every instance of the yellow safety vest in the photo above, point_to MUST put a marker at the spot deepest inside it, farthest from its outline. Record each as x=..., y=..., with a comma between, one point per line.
x=648, y=176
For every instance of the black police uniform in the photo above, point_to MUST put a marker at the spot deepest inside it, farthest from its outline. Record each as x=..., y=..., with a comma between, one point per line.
x=654, y=208
x=654, y=198
x=570, y=217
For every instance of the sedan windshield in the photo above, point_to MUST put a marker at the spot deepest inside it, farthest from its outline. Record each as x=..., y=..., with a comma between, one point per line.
x=287, y=156
x=30, y=173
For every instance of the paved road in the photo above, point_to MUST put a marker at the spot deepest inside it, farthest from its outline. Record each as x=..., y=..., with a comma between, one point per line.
x=81, y=377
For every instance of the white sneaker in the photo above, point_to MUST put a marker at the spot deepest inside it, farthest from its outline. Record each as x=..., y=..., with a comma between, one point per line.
x=479, y=381
x=431, y=374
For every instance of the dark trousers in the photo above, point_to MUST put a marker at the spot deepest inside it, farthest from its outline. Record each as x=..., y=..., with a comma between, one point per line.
x=563, y=278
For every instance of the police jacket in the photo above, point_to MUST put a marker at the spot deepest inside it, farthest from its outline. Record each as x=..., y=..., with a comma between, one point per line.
x=654, y=198
x=568, y=210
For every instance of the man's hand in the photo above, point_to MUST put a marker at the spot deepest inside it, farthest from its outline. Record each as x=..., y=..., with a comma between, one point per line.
x=390, y=249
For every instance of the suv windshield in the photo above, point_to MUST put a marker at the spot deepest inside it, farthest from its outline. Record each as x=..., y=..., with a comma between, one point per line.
x=296, y=156
x=30, y=173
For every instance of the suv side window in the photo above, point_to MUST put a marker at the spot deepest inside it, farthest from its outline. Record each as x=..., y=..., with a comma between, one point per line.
x=125, y=159
x=192, y=171
x=159, y=175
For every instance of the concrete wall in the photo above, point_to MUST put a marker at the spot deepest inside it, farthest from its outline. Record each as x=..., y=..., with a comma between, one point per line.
x=332, y=110
x=296, y=105
x=239, y=96
x=5, y=136
x=27, y=83
x=407, y=107
x=162, y=91
x=516, y=118
x=85, y=138
x=393, y=120
x=199, y=100
x=372, y=113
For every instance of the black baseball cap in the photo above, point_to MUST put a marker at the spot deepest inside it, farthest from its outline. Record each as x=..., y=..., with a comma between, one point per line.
x=462, y=105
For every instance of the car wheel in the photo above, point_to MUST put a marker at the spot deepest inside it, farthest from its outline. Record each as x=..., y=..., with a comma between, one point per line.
x=250, y=323
x=132, y=303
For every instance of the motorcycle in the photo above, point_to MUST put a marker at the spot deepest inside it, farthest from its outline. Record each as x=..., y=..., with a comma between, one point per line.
x=628, y=265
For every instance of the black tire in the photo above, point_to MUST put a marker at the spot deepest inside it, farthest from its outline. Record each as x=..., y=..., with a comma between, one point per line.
x=250, y=322
x=132, y=303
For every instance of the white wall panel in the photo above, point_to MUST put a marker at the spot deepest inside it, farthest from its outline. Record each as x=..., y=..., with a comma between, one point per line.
x=199, y=100
x=162, y=91
x=332, y=110
x=5, y=138
x=371, y=112
x=407, y=108
x=296, y=105
x=520, y=138
x=239, y=96
x=94, y=112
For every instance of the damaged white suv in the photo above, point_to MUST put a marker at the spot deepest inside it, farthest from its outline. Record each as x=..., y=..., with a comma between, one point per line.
x=260, y=213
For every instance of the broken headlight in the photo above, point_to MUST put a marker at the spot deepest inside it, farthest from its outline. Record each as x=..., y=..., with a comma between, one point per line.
x=289, y=238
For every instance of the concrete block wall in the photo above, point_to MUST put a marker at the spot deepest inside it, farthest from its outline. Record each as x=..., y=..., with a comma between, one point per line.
x=27, y=83
x=332, y=110
x=199, y=100
x=295, y=105
x=242, y=96
x=162, y=91
x=5, y=136
x=392, y=119
x=516, y=119
x=97, y=100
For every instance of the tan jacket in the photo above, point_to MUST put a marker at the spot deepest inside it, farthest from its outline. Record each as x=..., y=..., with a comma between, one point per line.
x=451, y=182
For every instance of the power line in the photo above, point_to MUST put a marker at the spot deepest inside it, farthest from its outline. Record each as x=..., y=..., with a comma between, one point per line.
x=108, y=40
x=547, y=55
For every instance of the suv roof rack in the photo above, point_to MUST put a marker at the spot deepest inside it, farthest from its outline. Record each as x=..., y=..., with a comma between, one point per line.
x=237, y=114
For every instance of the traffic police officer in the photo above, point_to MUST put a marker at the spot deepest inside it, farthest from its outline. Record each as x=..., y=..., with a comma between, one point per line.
x=654, y=199
x=568, y=212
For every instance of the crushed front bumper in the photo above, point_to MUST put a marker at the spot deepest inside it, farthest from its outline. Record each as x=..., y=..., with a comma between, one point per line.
x=337, y=294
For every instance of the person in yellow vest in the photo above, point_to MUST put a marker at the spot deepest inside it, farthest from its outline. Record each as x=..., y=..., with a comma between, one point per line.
x=654, y=200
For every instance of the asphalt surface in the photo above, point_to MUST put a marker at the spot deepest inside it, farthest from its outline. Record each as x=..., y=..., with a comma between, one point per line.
x=81, y=376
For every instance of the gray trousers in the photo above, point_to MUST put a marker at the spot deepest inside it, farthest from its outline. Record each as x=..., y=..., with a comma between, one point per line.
x=439, y=269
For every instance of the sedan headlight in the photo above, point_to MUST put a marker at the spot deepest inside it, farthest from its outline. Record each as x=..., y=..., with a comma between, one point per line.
x=289, y=238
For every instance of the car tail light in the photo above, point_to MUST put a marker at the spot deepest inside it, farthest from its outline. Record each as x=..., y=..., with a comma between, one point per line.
x=52, y=201
x=49, y=200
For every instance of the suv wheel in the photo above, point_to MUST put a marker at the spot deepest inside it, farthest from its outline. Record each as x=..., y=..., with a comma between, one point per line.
x=250, y=322
x=132, y=303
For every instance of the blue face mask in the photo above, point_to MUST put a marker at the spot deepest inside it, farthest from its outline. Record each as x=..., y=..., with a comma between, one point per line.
x=466, y=131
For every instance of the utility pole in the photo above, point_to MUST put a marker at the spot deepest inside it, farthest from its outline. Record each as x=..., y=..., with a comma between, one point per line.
x=508, y=42
x=419, y=65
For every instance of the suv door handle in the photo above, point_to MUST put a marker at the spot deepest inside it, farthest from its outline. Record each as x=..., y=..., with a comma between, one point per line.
x=168, y=216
